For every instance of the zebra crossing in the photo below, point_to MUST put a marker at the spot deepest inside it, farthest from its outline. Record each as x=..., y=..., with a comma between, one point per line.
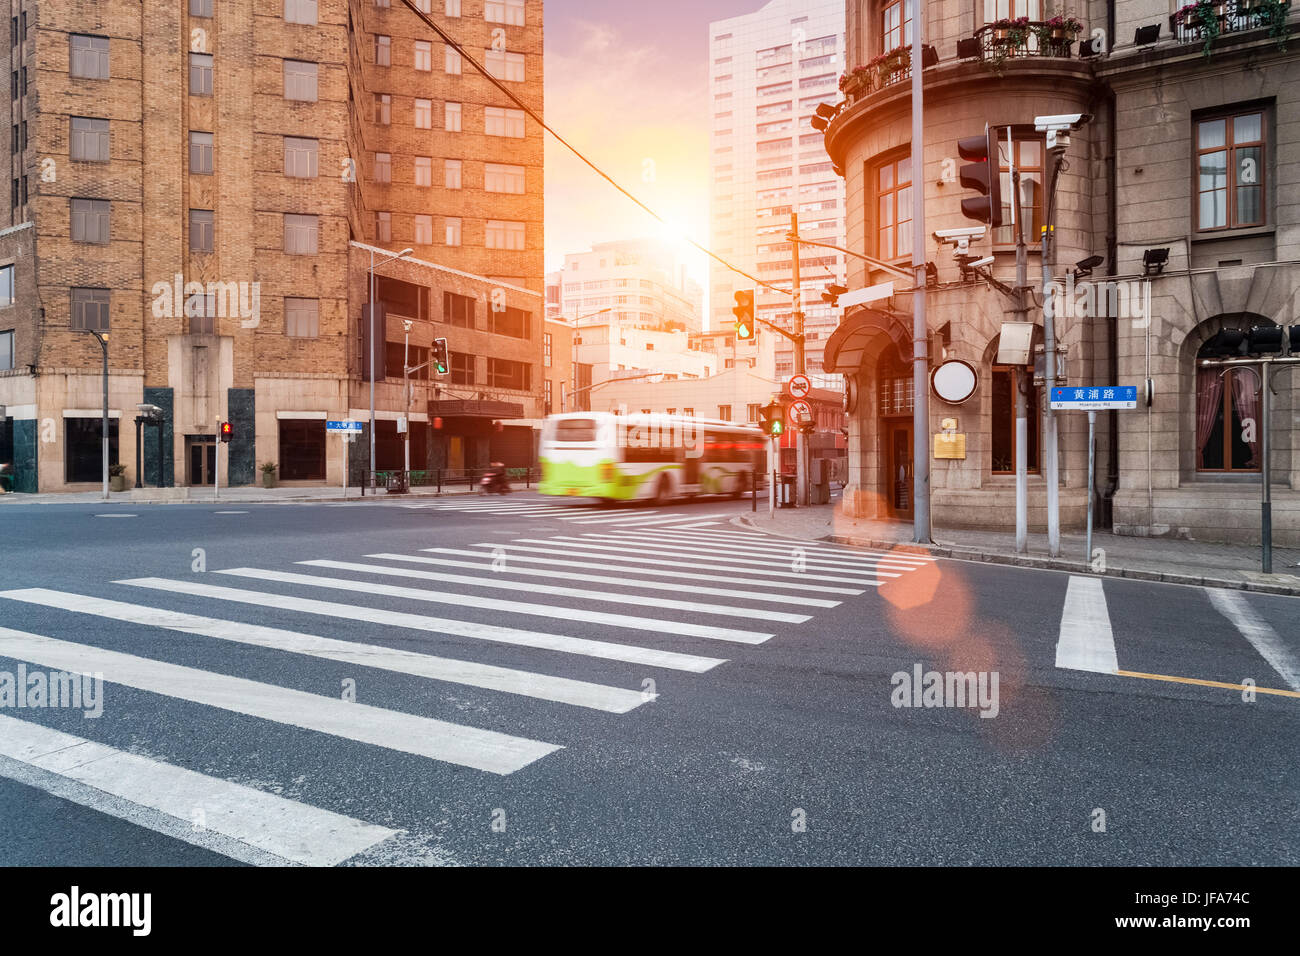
x=647, y=517
x=589, y=611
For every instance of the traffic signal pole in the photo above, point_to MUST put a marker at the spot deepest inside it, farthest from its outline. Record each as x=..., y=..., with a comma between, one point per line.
x=801, y=440
x=920, y=336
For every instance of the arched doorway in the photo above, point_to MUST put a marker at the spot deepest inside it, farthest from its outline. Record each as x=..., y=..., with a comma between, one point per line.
x=894, y=413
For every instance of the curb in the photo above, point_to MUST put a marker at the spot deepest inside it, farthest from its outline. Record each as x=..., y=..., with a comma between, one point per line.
x=959, y=553
x=18, y=499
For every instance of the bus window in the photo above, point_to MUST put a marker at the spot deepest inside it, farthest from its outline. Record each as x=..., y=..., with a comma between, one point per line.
x=575, y=430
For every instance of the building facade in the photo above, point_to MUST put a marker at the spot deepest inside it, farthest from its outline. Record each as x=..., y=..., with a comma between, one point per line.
x=637, y=283
x=201, y=184
x=768, y=72
x=1180, y=187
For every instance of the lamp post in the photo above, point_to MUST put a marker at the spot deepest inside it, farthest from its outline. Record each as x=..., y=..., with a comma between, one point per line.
x=371, y=333
x=573, y=355
x=102, y=339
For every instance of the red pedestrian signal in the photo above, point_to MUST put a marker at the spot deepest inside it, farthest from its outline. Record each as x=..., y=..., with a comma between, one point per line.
x=226, y=431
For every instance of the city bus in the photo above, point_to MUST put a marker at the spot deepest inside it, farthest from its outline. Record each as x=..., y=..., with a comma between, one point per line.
x=649, y=457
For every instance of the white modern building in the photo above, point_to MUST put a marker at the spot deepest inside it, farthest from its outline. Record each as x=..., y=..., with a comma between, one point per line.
x=613, y=350
x=636, y=283
x=768, y=72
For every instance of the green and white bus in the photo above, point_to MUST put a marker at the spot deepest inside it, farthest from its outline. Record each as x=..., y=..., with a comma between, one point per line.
x=648, y=456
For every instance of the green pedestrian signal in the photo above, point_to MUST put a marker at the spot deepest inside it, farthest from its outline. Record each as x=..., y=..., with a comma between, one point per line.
x=772, y=419
x=440, y=361
x=744, y=313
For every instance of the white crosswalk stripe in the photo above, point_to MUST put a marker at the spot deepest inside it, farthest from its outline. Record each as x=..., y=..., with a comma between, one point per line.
x=684, y=587
x=786, y=553
x=578, y=514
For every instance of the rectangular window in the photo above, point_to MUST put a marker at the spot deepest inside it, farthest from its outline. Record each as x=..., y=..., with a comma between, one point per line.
x=200, y=8
x=1012, y=10
x=88, y=139
x=424, y=56
x=893, y=218
x=546, y=349
x=451, y=226
x=201, y=314
x=6, y=285
x=424, y=170
x=503, y=122
x=383, y=227
x=383, y=168
x=383, y=50
x=423, y=114
x=6, y=353
x=83, y=448
x=90, y=309
x=450, y=61
x=509, y=12
x=503, y=65
x=458, y=310
x=88, y=57
x=724, y=412
x=547, y=392
x=90, y=220
x=299, y=80
x=1029, y=164
x=202, y=225
x=501, y=234
x=503, y=373
x=1230, y=171
x=512, y=322
x=462, y=368
x=301, y=317
x=301, y=234
x=451, y=117
x=752, y=412
x=302, y=449
x=300, y=11
x=300, y=157
x=200, y=74
x=451, y=173
x=896, y=26
x=423, y=230
x=450, y=7
x=200, y=153
x=500, y=178
x=383, y=109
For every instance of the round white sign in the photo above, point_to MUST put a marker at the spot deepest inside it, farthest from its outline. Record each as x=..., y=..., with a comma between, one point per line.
x=954, y=381
x=799, y=386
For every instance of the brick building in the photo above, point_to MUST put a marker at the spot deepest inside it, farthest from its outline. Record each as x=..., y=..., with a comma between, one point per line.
x=1191, y=152
x=204, y=182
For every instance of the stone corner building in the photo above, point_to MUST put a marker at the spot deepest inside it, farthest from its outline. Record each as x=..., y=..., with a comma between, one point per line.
x=1191, y=151
x=206, y=180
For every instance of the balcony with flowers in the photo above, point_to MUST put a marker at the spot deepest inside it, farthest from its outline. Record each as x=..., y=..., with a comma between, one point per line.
x=885, y=70
x=1206, y=20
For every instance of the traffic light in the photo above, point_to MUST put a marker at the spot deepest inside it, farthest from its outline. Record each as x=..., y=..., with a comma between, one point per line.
x=772, y=420
x=744, y=312
x=226, y=431
x=441, y=363
x=982, y=175
x=832, y=295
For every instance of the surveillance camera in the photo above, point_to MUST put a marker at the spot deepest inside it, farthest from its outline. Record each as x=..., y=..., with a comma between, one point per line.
x=986, y=261
x=147, y=409
x=1061, y=121
x=952, y=235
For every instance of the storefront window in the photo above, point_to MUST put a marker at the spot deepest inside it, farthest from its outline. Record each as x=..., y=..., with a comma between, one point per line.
x=302, y=449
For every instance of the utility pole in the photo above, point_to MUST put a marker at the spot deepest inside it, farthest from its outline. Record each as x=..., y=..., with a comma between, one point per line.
x=801, y=441
x=920, y=337
x=1021, y=312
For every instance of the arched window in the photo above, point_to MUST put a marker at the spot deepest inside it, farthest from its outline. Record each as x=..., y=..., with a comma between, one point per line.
x=1227, y=417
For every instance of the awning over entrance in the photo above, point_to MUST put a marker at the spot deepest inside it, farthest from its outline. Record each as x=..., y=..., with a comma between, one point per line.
x=856, y=335
x=452, y=408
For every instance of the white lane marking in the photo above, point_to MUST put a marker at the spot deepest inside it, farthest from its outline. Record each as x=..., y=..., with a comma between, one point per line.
x=758, y=538
x=561, y=690
x=651, y=522
x=669, y=538
x=799, y=600
x=580, y=549
x=511, y=607
x=506, y=510
x=230, y=512
x=588, y=515
x=604, y=565
x=634, y=518
x=838, y=556
x=117, y=516
x=419, y=622
x=702, y=524
x=291, y=832
x=1086, y=642
x=436, y=739
x=1262, y=637
x=589, y=542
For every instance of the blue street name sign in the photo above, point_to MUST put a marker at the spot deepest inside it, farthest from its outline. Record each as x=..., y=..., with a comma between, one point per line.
x=1095, y=398
x=347, y=426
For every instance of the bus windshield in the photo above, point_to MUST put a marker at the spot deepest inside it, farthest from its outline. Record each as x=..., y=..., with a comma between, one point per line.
x=575, y=430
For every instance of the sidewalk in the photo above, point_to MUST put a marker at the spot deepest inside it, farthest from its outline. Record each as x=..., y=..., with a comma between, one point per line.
x=247, y=494
x=1149, y=559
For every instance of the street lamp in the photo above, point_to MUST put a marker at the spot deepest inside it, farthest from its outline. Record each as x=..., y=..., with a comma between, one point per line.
x=102, y=339
x=371, y=333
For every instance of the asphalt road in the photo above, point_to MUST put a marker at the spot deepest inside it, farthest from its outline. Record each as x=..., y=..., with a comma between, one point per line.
x=562, y=684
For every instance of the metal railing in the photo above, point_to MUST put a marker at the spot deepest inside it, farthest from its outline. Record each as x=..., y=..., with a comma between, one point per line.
x=397, y=481
x=1233, y=16
x=1035, y=38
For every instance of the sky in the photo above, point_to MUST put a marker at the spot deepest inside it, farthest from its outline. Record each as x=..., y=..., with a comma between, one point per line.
x=627, y=84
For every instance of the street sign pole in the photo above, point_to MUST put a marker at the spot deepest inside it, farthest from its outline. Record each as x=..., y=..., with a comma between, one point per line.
x=801, y=445
x=1092, y=465
x=771, y=485
x=921, y=530
x=1091, y=399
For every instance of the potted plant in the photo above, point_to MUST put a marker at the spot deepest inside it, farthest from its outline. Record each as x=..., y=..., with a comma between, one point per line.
x=117, y=477
x=268, y=474
x=1057, y=32
x=856, y=81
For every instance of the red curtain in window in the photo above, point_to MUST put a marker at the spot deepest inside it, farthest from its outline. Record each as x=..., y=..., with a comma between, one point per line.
x=1245, y=399
x=1209, y=401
